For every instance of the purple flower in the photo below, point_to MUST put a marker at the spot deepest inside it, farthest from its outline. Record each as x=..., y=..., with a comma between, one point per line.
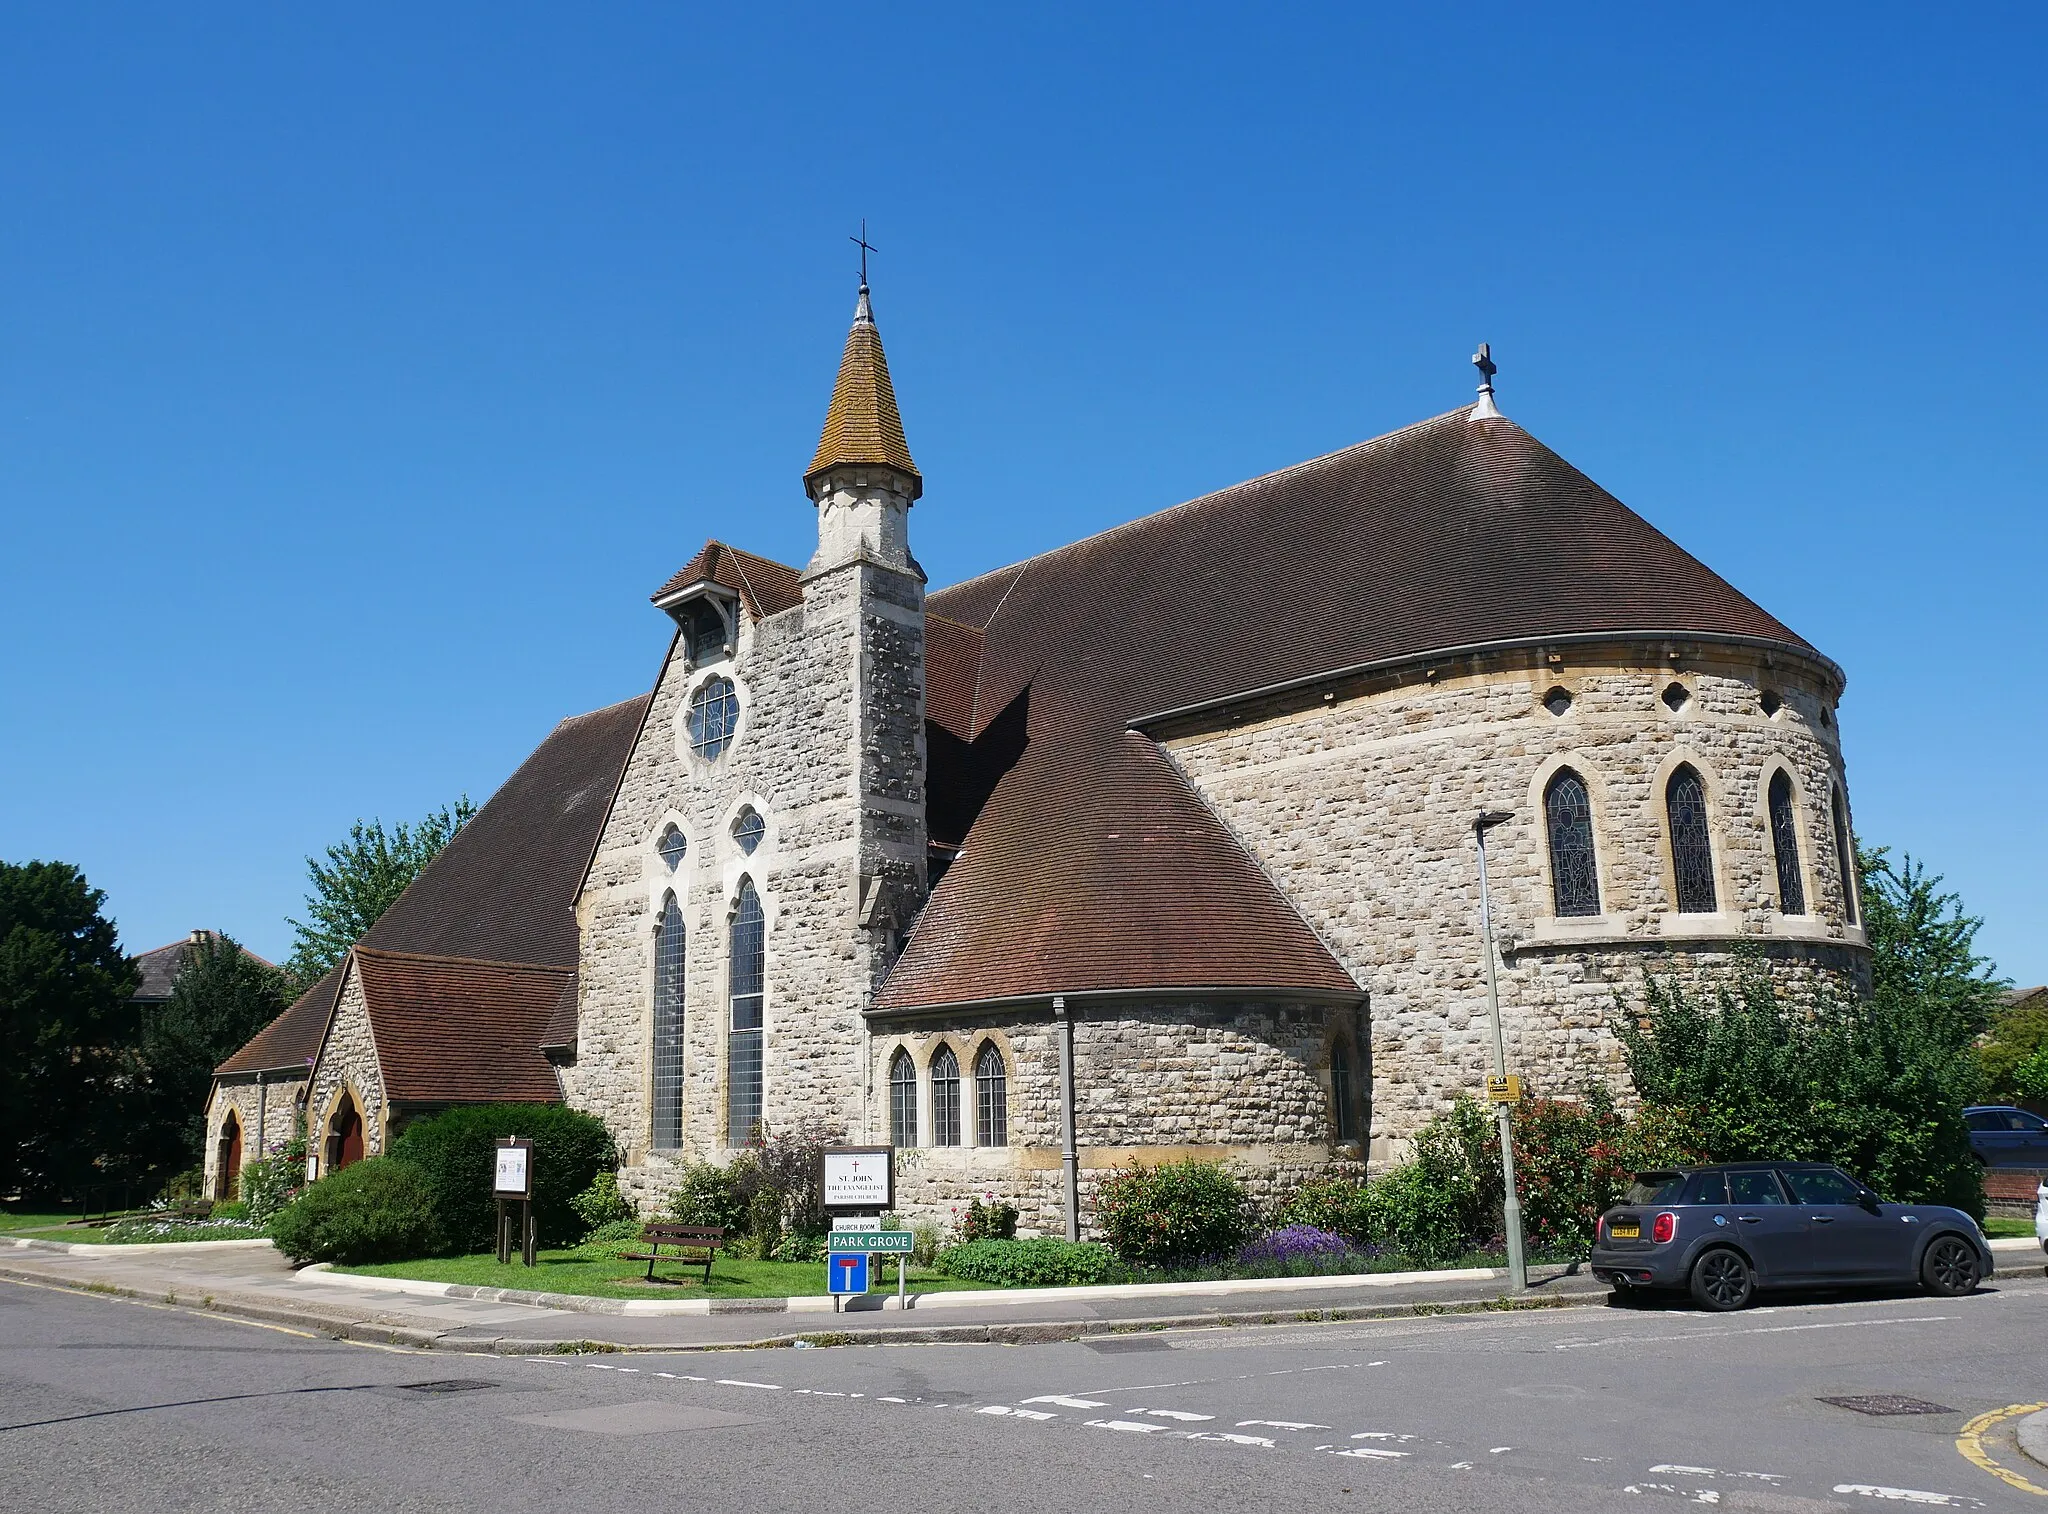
x=1295, y=1243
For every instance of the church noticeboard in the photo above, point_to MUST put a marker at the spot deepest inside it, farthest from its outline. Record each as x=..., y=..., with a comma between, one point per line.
x=859, y=1177
x=515, y=1169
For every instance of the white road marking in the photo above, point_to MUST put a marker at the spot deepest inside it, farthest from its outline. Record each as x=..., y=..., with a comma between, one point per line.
x=1278, y=1424
x=1370, y=1453
x=1462, y=1466
x=1016, y=1413
x=1381, y=1435
x=740, y=1382
x=889, y=1399
x=1693, y=1335
x=1496, y=1450
x=1173, y=1414
x=1225, y=1438
x=1067, y=1403
x=1135, y=1427
x=1682, y=1471
x=1910, y=1495
x=1697, y=1495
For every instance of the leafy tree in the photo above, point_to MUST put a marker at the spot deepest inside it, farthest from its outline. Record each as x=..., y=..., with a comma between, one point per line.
x=2015, y=1053
x=66, y=1027
x=220, y=998
x=360, y=880
x=1922, y=945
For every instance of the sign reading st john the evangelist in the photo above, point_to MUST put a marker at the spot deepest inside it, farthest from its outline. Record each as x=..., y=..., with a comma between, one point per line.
x=859, y=1177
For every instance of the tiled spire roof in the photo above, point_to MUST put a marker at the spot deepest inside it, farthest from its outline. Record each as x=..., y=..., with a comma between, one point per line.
x=862, y=424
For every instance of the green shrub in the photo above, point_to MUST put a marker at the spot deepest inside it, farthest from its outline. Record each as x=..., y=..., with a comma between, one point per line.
x=1175, y=1213
x=379, y=1210
x=1336, y=1205
x=1042, y=1263
x=708, y=1195
x=230, y=1209
x=269, y=1183
x=455, y=1152
x=800, y=1248
x=602, y=1204
x=990, y=1221
x=1417, y=1213
x=764, y=1223
x=610, y=1240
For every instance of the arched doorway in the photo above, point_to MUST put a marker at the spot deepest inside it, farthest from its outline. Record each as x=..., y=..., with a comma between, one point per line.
x=344, y=1134
x=227, y=1173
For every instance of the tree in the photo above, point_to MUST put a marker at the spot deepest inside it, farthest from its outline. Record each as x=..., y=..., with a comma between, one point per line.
x=361, y=879
x=67, y=1027
x=1876, y=1084
x=2015, y=1052
x=220, y=998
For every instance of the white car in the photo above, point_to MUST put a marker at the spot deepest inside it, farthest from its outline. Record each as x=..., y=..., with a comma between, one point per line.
x=2041, y=1214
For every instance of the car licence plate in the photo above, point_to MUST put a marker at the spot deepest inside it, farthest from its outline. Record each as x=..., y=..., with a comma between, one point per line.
x=1625, y=1230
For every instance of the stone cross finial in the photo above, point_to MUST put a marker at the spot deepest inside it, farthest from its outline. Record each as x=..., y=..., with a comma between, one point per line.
x=1483, y=361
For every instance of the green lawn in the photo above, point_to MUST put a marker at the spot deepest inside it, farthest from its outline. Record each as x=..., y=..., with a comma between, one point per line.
x=44, y=1227
x=566, y=1272
x=2004, y=1228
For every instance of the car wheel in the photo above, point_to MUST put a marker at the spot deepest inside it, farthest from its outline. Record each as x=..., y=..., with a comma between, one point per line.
x=1950, y=1267
x=1721, y=1281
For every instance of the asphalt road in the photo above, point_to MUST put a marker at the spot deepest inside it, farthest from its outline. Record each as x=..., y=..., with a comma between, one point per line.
x=111, y=1405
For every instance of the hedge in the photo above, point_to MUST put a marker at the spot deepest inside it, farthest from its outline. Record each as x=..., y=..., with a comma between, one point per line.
x=455, y=1152
x=379, y=1210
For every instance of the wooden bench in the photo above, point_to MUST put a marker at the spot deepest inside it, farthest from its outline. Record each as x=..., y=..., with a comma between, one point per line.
x=199, y=1209
x=683, y=1239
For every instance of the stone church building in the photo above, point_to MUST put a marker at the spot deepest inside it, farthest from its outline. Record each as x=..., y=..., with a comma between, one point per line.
x=1160, y=843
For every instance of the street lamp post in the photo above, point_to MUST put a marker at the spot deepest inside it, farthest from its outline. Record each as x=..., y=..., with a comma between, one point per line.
x=1518, y=1268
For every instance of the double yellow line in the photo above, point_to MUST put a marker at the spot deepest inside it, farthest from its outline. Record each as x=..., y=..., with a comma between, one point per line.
x=1971, y=1444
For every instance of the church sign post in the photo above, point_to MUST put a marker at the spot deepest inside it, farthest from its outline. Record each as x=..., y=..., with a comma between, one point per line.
x=858, y=1185
x=513, y=1186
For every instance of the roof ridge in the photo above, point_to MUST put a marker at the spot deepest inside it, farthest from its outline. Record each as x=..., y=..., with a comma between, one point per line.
x=1383, y=439
x=538, y=967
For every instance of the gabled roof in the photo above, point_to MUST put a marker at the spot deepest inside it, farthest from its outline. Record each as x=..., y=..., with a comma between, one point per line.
x=862, y=424
x=158, y=970
x=765, y=586
x=454, y=1031
x=1092, y=865
x=497, y=907
x=291, y=1041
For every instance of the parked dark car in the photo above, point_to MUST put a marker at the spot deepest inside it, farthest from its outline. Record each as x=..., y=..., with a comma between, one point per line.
x=1722, y=1233
x=2006, y=1137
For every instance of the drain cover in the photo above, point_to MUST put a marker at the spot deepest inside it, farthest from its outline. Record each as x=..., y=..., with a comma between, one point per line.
x=448, y=1385
x=1889, y=1403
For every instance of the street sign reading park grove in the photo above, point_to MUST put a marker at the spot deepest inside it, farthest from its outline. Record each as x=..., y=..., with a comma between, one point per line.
x=879, y=1242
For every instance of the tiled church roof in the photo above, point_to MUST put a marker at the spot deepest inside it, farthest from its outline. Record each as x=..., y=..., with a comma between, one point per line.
x=862, y=424
x=1092, y=865
x=454, y=1031
x=501, y=894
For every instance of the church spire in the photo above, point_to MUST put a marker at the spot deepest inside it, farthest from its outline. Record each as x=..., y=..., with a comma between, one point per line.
x=862, y=425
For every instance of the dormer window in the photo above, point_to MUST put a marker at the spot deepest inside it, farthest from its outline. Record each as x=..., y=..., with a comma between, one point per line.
x=705, y=628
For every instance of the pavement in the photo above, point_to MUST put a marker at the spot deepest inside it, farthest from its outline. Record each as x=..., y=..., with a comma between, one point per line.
x=254, y=1282
x=113, y=1403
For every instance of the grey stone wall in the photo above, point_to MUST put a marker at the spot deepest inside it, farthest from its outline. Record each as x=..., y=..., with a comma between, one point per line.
x=1359, y=804
x=830, y=752
x=268, y=1117
x=1246, y=1083
x=348, y=1057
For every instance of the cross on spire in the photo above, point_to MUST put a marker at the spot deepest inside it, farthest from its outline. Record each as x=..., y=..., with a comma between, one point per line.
x=866, y=247
x=1483, y=361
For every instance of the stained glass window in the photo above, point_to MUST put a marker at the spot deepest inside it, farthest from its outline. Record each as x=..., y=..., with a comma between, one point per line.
x=668, y=1027
x=1574, y=870
x=1692, y=850
x=991, y=1097
x=706, y=631
x=743, y=1040
x=1342, y=1094
x=1785, y=843
x=714, y=719
x=902, y=1100
x=945, y=1098
x=1844, y=852
x=673, y=848
x=749, y=829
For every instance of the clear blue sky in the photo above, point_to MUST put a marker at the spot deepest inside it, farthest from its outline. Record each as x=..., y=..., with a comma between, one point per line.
x=361, y=372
